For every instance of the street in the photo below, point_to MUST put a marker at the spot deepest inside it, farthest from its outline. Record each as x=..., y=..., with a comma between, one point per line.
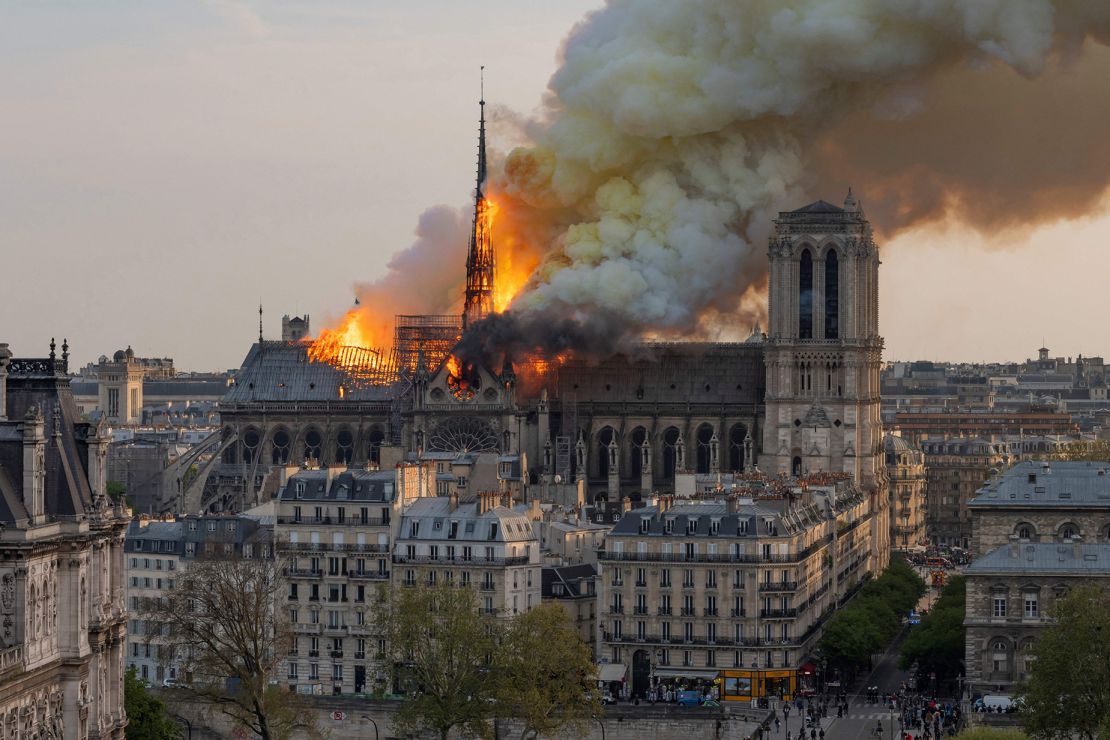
x=863, y=717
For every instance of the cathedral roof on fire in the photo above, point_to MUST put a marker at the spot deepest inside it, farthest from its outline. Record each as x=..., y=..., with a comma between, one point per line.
x=283, y=371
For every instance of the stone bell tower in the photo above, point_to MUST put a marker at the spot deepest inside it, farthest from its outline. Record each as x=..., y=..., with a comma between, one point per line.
x=823, y=351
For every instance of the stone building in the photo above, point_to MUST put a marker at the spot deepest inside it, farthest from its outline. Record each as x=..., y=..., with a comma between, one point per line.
x=334, y=531
x=905, y=470
x=1039, y=529
x=574, y=588
x=1043, y=502
x=120, y=384
x=156, y=553
x=486, y=543
x=294, y=329
x=587, y=429
x=1011, y=594
x=61, y=578
x=955, y=470
x=737, y=587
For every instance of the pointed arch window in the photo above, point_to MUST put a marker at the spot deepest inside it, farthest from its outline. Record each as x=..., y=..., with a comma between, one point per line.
x=832, y=296
x=805, y=296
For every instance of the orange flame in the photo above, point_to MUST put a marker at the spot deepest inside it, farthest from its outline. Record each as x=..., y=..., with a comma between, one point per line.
x=349, y=333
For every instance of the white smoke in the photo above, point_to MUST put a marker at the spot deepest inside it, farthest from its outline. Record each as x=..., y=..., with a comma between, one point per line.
x=675, y=130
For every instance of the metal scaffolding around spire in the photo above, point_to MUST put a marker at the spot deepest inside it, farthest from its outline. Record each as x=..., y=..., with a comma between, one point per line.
x=480, y=268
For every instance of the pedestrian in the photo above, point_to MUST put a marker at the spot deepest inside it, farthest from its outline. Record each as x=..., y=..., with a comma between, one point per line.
x=776, y=725
x=821, y=734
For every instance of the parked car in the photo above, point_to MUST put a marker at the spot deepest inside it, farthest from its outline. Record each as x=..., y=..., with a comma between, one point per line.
x=689, y=698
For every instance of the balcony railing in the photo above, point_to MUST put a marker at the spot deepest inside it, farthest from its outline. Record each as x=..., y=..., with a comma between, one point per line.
x=334, y=521
x=738, y=613
x=778, y=613
x=681, y=557
x=778, y=586
x=331, y=547
x=664, y=611
x=372, y=575
x=424, y=559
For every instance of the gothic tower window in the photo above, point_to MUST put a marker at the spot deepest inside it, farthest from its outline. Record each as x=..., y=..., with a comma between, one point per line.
x=636, y=467
x=736, y=437
x=832, y=296
x=805, y=296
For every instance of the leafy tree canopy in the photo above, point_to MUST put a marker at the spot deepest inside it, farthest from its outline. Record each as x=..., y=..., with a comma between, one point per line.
x=146, y=715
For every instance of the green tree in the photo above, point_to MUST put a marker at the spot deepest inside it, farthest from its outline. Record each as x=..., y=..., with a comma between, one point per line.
x=115, y=490
x=146, y=715
x=937, y=644
x=849, y=639
x=547, y=675
x=230, y=640
x=991, y=733
x=1068, y=691
x=442, y=651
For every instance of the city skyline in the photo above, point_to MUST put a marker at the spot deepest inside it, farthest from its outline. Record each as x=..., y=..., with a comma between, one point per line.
x=169, y=169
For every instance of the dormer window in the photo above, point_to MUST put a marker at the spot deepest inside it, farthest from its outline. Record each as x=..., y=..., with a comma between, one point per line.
x=668, y=525
x=645, y=523
x=300, y=489
x=414, y=529
x=714, y=526
x=742, y=526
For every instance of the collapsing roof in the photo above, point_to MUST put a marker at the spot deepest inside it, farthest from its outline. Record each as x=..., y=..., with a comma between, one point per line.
x=283, y=371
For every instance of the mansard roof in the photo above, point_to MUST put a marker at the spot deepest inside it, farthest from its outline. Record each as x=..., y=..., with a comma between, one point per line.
x=44, y=384
x=283, y=371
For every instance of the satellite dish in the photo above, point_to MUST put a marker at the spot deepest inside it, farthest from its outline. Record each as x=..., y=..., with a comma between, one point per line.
x=558, y=479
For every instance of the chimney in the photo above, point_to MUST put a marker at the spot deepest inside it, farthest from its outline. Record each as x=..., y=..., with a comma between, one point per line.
x=506, y=499
x=487, y=500
x=34, y=464
x=626, y=505
x=1015, y=546
x=453, y=500
x=732, y=502
x=5, y=358
x=534, y=512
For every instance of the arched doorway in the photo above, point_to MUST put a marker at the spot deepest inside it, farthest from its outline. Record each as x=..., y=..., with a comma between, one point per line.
x=641, y=672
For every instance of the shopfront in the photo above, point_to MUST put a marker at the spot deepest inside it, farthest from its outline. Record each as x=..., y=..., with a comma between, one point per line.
x=745, y=685
x=668, y=681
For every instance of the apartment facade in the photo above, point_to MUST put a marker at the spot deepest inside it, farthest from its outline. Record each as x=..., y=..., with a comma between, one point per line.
x=905, y=467
x=487, y=543
x=734, y=588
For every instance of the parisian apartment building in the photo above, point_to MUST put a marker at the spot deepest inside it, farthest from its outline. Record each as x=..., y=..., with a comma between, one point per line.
x=730, y=586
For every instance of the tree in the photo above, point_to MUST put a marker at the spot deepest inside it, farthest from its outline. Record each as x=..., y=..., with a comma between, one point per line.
x=146, y=715
x=937, y=644
x=441, y=650
x=1068, y=691
x=230, y=639
x=991, y=733
x=547, y=675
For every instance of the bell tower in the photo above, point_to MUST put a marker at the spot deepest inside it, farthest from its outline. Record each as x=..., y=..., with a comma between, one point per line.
x=823, y=351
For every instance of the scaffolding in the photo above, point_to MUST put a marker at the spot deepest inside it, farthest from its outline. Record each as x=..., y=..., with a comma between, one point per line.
x=435, y=335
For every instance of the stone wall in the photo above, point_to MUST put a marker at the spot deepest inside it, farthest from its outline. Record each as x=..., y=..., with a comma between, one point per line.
x=347, y=719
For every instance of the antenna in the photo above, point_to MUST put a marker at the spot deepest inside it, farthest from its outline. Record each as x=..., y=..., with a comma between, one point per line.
x=482, y=83
x=260, y=321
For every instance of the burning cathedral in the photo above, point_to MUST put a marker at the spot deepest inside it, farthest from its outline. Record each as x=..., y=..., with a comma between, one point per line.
x=689, y=417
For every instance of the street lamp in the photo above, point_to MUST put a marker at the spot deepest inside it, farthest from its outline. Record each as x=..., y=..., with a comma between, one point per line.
x=599, y=724
x=373, y=723
x=786, y=719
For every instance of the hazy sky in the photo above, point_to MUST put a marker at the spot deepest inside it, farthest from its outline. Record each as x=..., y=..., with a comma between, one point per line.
x=164, y=166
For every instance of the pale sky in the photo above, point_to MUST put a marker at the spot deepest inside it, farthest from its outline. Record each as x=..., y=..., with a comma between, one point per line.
x=165, y=166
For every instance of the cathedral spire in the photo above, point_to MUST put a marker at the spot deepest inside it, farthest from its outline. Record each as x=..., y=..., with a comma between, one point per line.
x=480, y=259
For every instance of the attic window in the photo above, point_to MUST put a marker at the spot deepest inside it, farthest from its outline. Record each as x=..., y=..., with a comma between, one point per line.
x=645, y=522
x=668, y=525
x=311, y=385
x=556, y=589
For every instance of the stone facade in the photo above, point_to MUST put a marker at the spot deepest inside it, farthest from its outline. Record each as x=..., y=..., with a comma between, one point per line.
x=955, y=470
x=1043, y=502
x=823, y=353
x=61, y=577
x=905, y=469
x=696, y=588
x=1011, y=594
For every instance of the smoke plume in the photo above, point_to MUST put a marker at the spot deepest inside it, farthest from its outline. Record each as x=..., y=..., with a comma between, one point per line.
x=674, y=132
